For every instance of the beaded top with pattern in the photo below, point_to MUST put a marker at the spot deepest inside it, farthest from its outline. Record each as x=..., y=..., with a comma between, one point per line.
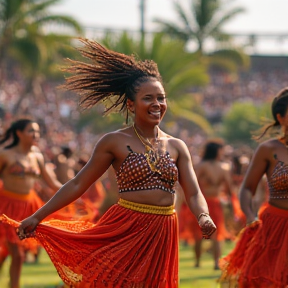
x=19, y=170
x=278, y=182
x=135, y=174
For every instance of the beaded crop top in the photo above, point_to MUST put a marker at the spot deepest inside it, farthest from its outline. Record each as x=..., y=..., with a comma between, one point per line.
x=135, y=173
x=278, y=183
x=17, y=169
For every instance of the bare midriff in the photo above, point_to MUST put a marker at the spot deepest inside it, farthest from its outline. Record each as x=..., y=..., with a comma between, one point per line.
x=18, y=185
x=279, y=203
x=150, y=197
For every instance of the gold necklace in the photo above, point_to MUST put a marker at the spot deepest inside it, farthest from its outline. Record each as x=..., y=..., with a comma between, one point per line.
x=151, y=154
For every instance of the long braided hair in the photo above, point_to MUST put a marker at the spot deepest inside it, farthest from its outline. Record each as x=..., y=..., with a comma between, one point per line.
x=110, y=78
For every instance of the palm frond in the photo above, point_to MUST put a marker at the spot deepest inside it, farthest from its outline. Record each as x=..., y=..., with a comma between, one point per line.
x=191, y=116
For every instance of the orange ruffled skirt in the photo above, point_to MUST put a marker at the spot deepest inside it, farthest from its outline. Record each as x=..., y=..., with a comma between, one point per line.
x=17, y=207
x=132, y=245
x=260, y=257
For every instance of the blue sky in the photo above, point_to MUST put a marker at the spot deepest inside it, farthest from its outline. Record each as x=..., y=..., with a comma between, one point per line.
x=261, y=16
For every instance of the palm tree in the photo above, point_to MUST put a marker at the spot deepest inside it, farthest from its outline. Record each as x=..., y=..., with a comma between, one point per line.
x=26, y=39
x=180, y=70
x=204, y=20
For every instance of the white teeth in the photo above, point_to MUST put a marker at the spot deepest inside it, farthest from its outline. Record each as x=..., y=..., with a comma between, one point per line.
x=155, y=113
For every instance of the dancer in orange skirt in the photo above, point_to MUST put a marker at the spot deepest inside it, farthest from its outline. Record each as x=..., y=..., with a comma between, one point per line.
x=260, y=257
x=213, y=179
x=20, y=165
x=94, y=197
x=135, y=243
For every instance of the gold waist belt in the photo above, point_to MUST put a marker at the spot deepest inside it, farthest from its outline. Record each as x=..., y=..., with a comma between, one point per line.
x=145, y=208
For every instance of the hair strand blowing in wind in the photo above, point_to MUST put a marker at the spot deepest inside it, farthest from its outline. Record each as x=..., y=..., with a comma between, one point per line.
x=110, y=78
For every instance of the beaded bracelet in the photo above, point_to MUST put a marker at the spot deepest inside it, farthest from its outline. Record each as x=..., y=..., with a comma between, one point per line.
x=202, y=214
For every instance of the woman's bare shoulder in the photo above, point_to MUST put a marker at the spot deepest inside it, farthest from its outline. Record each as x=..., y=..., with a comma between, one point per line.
x=117, y=134
x=114, y=140
x=268, y=149
x=269, y=144
x=170, y=138
x=175, y=144
x=6, y=152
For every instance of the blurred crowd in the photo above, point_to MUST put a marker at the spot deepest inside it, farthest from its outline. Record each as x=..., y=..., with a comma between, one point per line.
x=67, y=149
x=257, y=86
x=57, y=111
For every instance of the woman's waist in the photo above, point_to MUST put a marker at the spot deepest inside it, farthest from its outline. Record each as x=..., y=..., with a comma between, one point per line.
x=18, y=185
x=149, y=197
x=279, y=203
x=15, y=195
x=268, y=209
x=147, y=208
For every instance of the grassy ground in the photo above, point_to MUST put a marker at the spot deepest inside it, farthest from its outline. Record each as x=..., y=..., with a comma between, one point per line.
x=204, y=276
x=44, y=275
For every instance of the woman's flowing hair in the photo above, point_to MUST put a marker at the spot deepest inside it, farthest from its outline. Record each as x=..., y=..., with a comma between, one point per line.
x=109, y=78
x=279, y=106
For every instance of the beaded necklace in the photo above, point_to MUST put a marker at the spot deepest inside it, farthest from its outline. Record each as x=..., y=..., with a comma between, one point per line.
x=151, y=154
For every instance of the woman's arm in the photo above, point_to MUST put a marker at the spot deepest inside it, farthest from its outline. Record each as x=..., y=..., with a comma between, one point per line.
x=227, y=179
x=193, y=195
x=53, y=183
x=189, y=182
x=255, y=171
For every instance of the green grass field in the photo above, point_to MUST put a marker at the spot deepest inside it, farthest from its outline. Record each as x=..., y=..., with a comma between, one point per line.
x=44, y=275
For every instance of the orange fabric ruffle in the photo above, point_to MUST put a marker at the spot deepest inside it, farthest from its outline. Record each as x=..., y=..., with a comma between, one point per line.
x=259, y=258
x=235, y=219
x=125, y=248
x=81, y=209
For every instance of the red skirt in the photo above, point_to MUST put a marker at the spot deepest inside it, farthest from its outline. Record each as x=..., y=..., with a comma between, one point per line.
x=132, y=245
x=17, y=207
x=187, y=225
x=260, y=257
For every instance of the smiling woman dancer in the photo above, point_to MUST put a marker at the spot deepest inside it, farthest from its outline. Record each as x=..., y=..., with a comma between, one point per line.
x=135, y=243
x=20, y=167
x=260, y=258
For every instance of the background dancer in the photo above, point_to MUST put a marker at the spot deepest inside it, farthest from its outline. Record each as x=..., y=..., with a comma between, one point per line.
x=213, y=180
x=21, y=166
x=259, y=258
